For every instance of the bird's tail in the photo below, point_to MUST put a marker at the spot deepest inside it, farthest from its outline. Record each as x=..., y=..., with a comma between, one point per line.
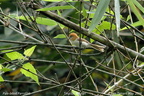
x=98, y=47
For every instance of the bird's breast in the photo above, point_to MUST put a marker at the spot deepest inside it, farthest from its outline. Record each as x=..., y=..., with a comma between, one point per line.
x=77, y=43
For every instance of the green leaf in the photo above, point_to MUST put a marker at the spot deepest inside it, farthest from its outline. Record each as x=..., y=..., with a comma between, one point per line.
x=135, y=24
x=141, y=65
x=13, y=55
x=1, y=67
x=76, y=93
x=55, y=8
x=107, y=26
x=30, y=74
x=138, y=5
x=63, y=0
x=60, y=36
x=29, y=52
x=135, y=11
x=40, y=20
x=53, y=0
x=6, y=69
x=104, y=26
x=103, y=4
x=117, y=16
x=117, y=95
x=1, y=79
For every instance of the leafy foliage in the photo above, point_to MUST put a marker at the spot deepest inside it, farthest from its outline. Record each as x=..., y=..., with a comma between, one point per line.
x=32, y=74
x=103, y=4
x=34, y=46
x=13, y=55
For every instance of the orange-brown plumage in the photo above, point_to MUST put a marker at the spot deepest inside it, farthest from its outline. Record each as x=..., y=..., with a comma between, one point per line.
x=75, y=40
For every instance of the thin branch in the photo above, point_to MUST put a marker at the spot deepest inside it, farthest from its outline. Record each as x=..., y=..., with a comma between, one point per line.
x=18, y=30
x=120, y=81
x=84, y=31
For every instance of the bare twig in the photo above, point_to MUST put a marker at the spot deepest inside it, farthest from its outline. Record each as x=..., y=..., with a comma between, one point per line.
x=84, y=31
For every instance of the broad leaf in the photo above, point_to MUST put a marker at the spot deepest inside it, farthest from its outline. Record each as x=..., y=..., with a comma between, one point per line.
x=6, y=69
x=32, y=74
x=1, y=79
x=29, y=51
x=104, y=26
x=13, y=55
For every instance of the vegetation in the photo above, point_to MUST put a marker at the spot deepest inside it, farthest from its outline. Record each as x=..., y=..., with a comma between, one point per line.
x=37, y=58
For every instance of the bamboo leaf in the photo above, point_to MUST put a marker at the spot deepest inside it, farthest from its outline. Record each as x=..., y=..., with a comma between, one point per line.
x=55, y=8
x=138, y=5
x=136, y=11
x=103, y=4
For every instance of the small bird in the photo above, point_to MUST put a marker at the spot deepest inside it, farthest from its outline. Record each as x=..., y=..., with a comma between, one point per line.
x=75, y=40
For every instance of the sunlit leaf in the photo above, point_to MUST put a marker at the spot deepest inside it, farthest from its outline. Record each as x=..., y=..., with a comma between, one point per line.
x=13, y=55
x=116, y=95
x=32, y=74
x=1, y=79
x=29, y=52
x=1, y=66
x=76, y=93
x=6, y=69
x=104, y=26
x=107, y=26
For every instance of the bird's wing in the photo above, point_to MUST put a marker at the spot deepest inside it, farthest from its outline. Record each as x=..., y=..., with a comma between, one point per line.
x=81, y=39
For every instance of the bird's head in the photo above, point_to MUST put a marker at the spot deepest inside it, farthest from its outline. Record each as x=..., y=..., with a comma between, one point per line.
x=73, y=36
